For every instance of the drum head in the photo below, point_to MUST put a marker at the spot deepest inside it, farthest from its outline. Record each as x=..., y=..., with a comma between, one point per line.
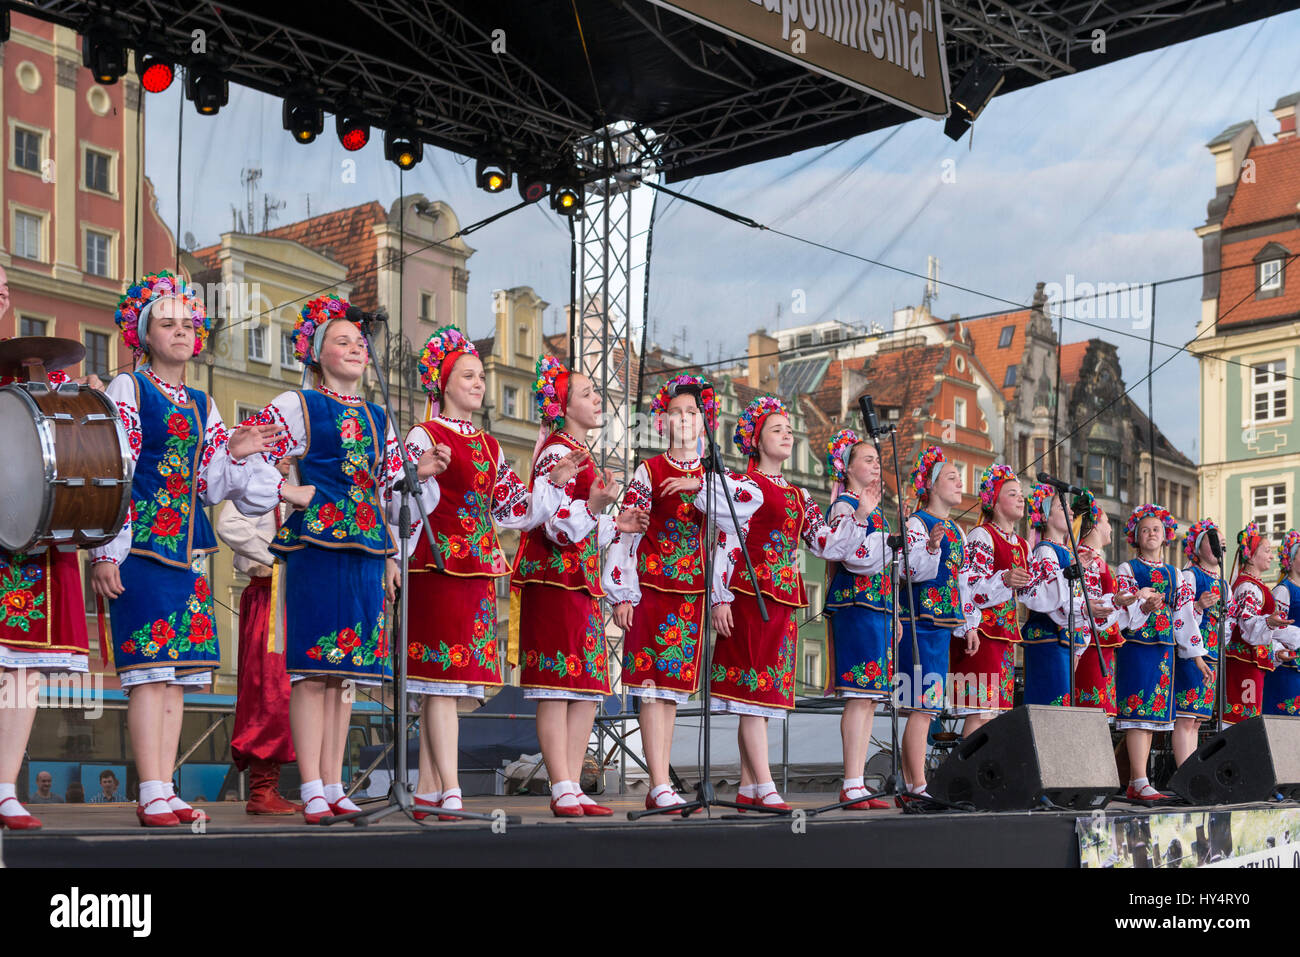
x=22, y=480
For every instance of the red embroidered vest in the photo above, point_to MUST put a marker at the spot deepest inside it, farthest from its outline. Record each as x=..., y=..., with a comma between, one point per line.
x=573, y=565
x=1259, y=655
x=462, y=523
x=670, y=555
x=771, y=540
x=999, y=621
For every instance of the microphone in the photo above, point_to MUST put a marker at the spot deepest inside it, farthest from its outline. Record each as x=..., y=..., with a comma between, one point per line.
x=1216, y=546
x=687, y=388
x=868, y=410
x=1059, y=484
x=358, y=315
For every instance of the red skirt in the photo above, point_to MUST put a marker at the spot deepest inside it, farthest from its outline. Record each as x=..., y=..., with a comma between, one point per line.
x=756, y=663
x=662, y=648
x=1243, y=690
x=40, y=603
x=262, y=696
x=562, y=640
x=986, y=680
x=1092, y=690
x=453, y=630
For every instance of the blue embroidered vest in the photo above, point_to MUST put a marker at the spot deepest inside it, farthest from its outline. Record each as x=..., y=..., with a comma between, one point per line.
x=1163, y=579
x=168, y=523
x=1293, y=614
x=1210, y=617
x=937, y=600
x=345, y=453
x=848, y=589
x=1039, y=627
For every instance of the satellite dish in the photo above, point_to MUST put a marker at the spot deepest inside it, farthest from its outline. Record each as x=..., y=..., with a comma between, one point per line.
x=190, y=242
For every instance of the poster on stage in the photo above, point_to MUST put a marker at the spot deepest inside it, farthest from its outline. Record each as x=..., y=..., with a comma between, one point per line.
x=892, y=49
x=1219, y=837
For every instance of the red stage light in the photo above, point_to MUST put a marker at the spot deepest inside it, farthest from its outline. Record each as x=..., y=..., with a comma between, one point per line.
x=157, y=76
x=355, y=138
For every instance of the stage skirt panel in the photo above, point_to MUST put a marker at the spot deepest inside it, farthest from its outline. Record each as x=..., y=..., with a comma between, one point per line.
x=662, y=649
x=986, y=680
x=863, y=652
x=1092, y=690
x=262, y=702
x=163, y=620
x=1193, y=695
x=755, y=664
x=452, y=632
x=933, y=642
x=562, y=641
x=1047, y=666
x=1282, y=691
x=334, y=623
x=1144, y=686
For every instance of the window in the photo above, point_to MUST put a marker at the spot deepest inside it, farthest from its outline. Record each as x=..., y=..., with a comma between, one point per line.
x=97, y=171
x=961, y=474
x=1040, y=454
x=426, y=306
x=1268, y=509
x=287, y=359
x=959, y=412
x=509, y=401
x=96, y=360
x=245, y=412
x=1268, y=391
x=521, y=341
x=1022, y=447
x=1270, y=276
x=1161, y=491
x=27, y=235
x=1004, y=340
x=1101, y=475
x=257, y=343
x=97, y=248
x=27, y=149
x=1010, y=380
x=812, y=670
x=31, y=327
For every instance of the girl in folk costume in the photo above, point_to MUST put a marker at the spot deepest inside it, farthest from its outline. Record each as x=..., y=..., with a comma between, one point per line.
x=1048, y=597
x=859, y=609
x=1256, y=624
x=336, y=546
x=1194, y=690
x=164, y=636
x=1282, y=684
x=656, y=580
x=996, y=569
x=1144, y=663
x=936, y=552
x=452, y=645
x=753, y=662
x=557, y=630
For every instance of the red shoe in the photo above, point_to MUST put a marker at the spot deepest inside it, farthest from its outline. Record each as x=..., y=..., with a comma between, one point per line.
x=741, y=799
x=264, y=795
x=595, y=810
x=566, y=811
x=452, y=817
x=421, y=815
x=650, y=805
x=1133, y=794
x=188, y=815
x=311, y=818
x=777, y=805
x=19, y=822
x=336, y=810
x=164, y=818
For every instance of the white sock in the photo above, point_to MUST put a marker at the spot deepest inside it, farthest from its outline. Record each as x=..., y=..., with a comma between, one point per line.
x=1139, y=783
x=582, y=795
x=336, y=797
x=173, y=802
x=767, y=790
x=8, y=793
x=433, y=797
x=563, y=794
x=851, y=784
x=451, y=799
x=749, y=790
x=661, y=790
x=151, y=791
x=313, y=797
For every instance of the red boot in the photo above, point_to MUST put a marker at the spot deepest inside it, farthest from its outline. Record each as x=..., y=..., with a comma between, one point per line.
x=264, y=790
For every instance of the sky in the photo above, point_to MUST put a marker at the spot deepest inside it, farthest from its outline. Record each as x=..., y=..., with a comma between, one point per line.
x=1099, y=177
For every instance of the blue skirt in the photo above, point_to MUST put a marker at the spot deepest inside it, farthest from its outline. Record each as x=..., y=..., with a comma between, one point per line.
x=863, y=652
x=1282, y=691
x=334, y=614
x=932, y=641
x=1143, y=685
x=1193, y=696
x=1047, y=667
x=163, y=618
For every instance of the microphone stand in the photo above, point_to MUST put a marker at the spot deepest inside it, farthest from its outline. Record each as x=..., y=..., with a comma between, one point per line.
x=400, y=791
x=1087, y=603
x=1221, y=663
x=705, y=797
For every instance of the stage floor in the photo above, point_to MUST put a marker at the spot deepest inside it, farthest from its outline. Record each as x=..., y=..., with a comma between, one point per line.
x=109, y=835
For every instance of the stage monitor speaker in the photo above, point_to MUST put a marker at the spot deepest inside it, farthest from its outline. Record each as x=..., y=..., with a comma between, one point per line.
x=1249, y=761
x=1031, y=753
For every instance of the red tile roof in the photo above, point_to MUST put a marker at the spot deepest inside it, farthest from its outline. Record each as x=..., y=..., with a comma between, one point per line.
x=1238, y=300
x=1272, y=190
x=1072, y=354
x=985, y=334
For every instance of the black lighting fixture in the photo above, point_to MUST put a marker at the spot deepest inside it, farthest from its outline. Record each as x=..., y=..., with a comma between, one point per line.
x=103, y=50
x=566, y=196
x=155, y=69
x=402, y=145
x=971, y=95
x=207, y=86
x=492, y=176
x=532, y=186
x=302, y=116
x=4, y=23
x=352, y=127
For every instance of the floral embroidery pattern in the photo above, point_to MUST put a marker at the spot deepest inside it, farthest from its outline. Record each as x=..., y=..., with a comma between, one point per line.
x=590, y=661
x=1199, y=700
x=679, y=552
x=563, y=561
x=354, y=514
x=1289, y=705
x=870, y=675
x=170, y=637
x=347, y=643
x=1154, y=706
x=779, y=568
x=163, y=518
x=481, y=651
x=778, y=679
x=676, y=640
x=19, y=606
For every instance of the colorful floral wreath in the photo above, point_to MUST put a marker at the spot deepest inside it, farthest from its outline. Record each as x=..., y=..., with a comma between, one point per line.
x=150, y=289
x=1193, y=540
x=447, y=341
x=1040, y=504
x=1250, y=538
x=838, y=450
x=551, y=390
x=1150, y=511
x=1086, y=503
x=926, y=471
x=1289, y=545
x=668, y=391
x=315, y=315
x=991, y=482
x=751, y=422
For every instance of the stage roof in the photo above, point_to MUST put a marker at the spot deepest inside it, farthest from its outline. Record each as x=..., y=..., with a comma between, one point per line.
x=711, y=102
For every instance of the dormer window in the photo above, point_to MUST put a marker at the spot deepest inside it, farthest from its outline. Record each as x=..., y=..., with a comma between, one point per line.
x=1270, y=276
x=1270, y=271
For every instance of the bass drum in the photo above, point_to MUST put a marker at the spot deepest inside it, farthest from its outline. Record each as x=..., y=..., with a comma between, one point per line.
x=66, y=474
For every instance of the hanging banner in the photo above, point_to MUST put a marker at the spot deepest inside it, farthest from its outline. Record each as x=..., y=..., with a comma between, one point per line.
x=1211, y=837
x=892, y=49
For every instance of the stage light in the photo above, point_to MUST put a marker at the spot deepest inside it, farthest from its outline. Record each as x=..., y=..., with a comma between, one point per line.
x=303, y=117
x=207, y=88
x=492, y=176
x=4, y=23
x=532, y=187
x=566, y=199
x=155, y=70
x=402, y=146
x=103, y=51
x=971, y=95
x=353, y=129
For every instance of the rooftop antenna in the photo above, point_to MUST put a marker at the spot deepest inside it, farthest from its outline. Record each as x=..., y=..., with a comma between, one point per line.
x=931, y=282
x=249, y=177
